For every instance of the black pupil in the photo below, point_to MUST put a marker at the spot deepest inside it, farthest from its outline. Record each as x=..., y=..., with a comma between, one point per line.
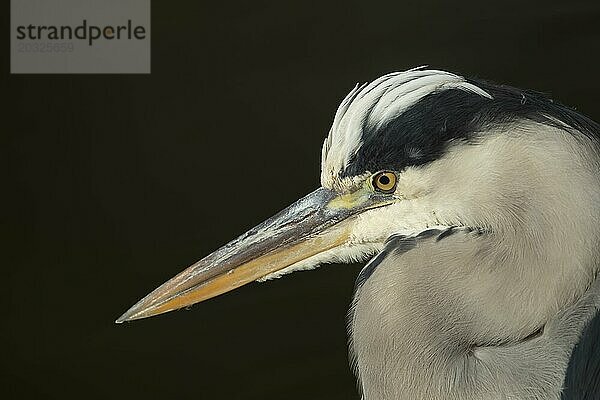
x=384, y=180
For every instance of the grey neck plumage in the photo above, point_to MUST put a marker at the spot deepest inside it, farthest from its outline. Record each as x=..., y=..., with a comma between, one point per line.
x=402, y=351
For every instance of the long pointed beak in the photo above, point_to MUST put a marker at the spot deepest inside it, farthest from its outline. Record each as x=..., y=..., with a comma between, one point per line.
x=313, y=224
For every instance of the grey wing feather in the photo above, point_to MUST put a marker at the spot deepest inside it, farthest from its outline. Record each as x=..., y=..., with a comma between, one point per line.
x=583, y=374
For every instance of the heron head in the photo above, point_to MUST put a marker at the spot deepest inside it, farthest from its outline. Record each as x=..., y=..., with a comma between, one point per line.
x=407, y=152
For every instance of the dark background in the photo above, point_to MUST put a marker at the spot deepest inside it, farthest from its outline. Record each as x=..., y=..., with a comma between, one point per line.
x=115, y=183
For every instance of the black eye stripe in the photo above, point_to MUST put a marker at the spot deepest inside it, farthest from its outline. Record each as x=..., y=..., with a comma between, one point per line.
x=424, y=131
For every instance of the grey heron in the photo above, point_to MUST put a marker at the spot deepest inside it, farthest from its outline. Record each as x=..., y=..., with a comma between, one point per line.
x=478, y=207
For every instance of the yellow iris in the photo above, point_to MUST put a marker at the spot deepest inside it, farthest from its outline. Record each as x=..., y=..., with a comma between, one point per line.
x=384, y=182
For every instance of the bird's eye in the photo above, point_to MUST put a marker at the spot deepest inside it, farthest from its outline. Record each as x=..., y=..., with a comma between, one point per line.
x=384, y=182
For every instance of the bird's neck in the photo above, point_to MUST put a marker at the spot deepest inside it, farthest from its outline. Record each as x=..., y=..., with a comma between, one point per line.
x=419, y=334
